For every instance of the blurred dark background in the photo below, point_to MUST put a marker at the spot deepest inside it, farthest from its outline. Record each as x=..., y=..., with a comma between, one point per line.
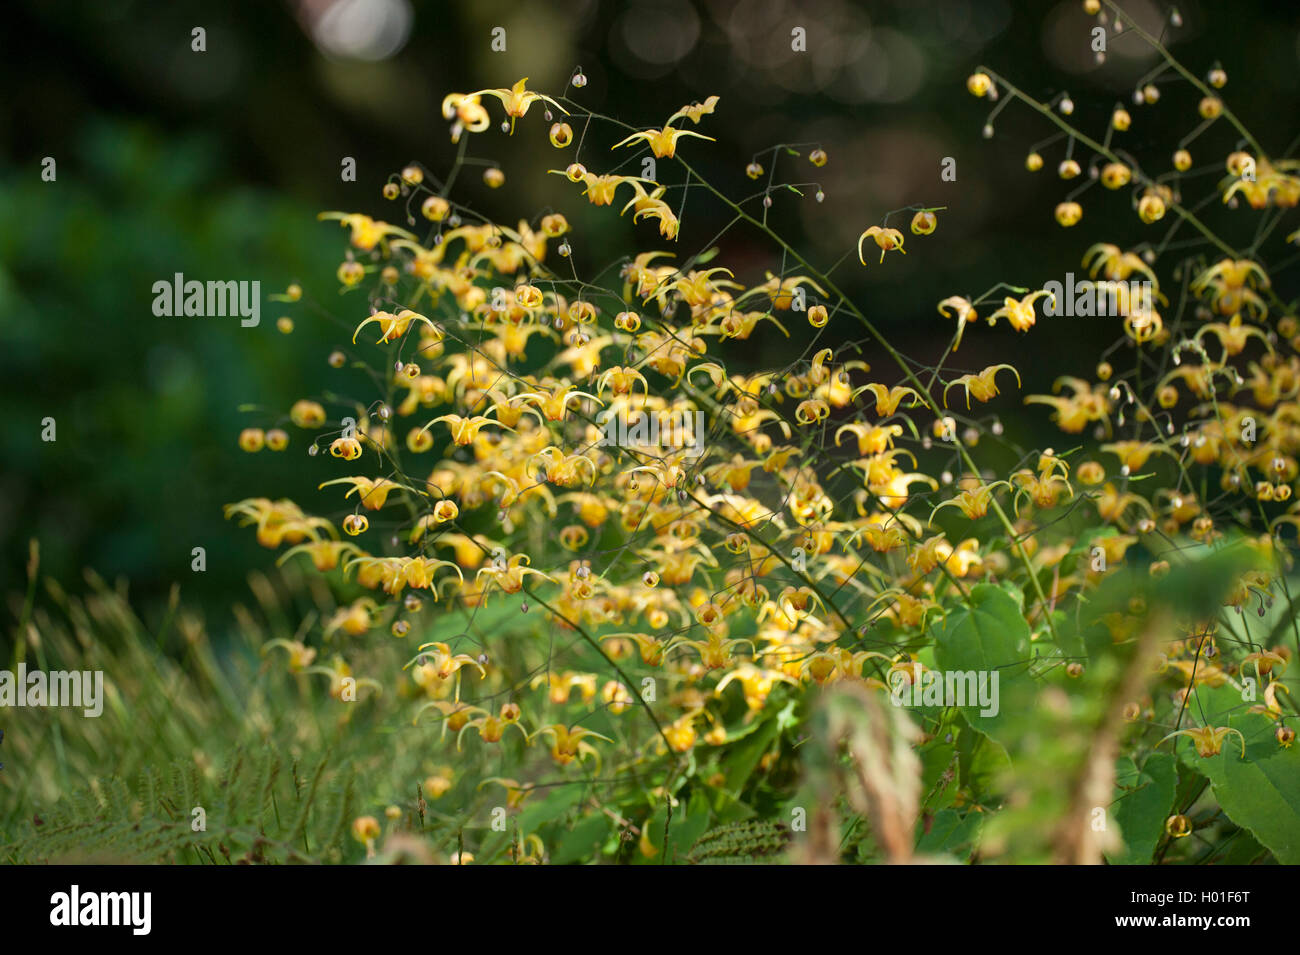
x=214, y=164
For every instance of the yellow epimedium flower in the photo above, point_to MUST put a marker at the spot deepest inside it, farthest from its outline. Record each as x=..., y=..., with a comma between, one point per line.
x=393, y=574
x=696, y=111
x=617, y=698
x=650, y=647
x=716, y=651
x=367, y=233
x=1074, y=412
x=662, y=142
x=884, y=533
x=1045, y=486
x=1115, y=175
x=652, y=206
x=443, y=663
x=1265, y=662
x=1271, y=707
x=756, y=684
x=1134, y=454
x=888, y=399
x=325, y=555
x=965, y=558
x=465, y=430
x=491, y=727
x=796, y=603
x=1068, y=214
x=566, y=470
x=982, y=387
x=278, y=522
x=871, y=440
x=925, y=557
x=924, y=222
x=621, y=381
x=1262, y=182
x=781, y=292
x=343, y=685
x=392, y=327
x=698, y=288
x=300, y=655
x=1151, y=208
x=365, y=829
x=355, y=619
x=561, y=685
x=1020, y=312
x=1209, y=740
x=735, y=473
x=812, y=411
x=561, y=135
x=954, y=306
x=1117, y=265
x=1232, y=336
x=467, y=110
x=374, y=491
x=554, y=402
x=1112, y=504
x=887, y=240
x=517, y=100
x=570, y=743
x=980, y=84
x=973, y=502
x=509, y=574
x=1231, y=285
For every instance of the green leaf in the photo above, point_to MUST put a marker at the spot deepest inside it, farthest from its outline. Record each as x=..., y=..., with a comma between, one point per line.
x=949, y=832
x=583, y=840
x=1261, y=792
x=690, y=822
x=1142, y=803
x=990, y=636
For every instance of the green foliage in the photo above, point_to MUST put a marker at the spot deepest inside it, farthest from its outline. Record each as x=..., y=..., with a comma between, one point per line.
x=258, y=810
x=741, y=843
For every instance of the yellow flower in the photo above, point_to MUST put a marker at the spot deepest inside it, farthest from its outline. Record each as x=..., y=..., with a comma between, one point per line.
x=392, y=327
x=570, y=744
x=366, y=232
x=465, y=430
x=509, y=574
x=982, y=387
x=1069, y=213
x=1209, y=740
x=696, y=111
x=662, y=142
x=1020, y=313
x=974, y=503
x=888, y=399
x=374, y=493
x=1134, y=454
x=300, y=655
x=979, y=83
x=962, y=309
x=886, y=239
x=516, y=100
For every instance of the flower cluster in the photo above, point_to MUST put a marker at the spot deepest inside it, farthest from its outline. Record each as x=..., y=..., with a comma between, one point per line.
x=830, y=512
